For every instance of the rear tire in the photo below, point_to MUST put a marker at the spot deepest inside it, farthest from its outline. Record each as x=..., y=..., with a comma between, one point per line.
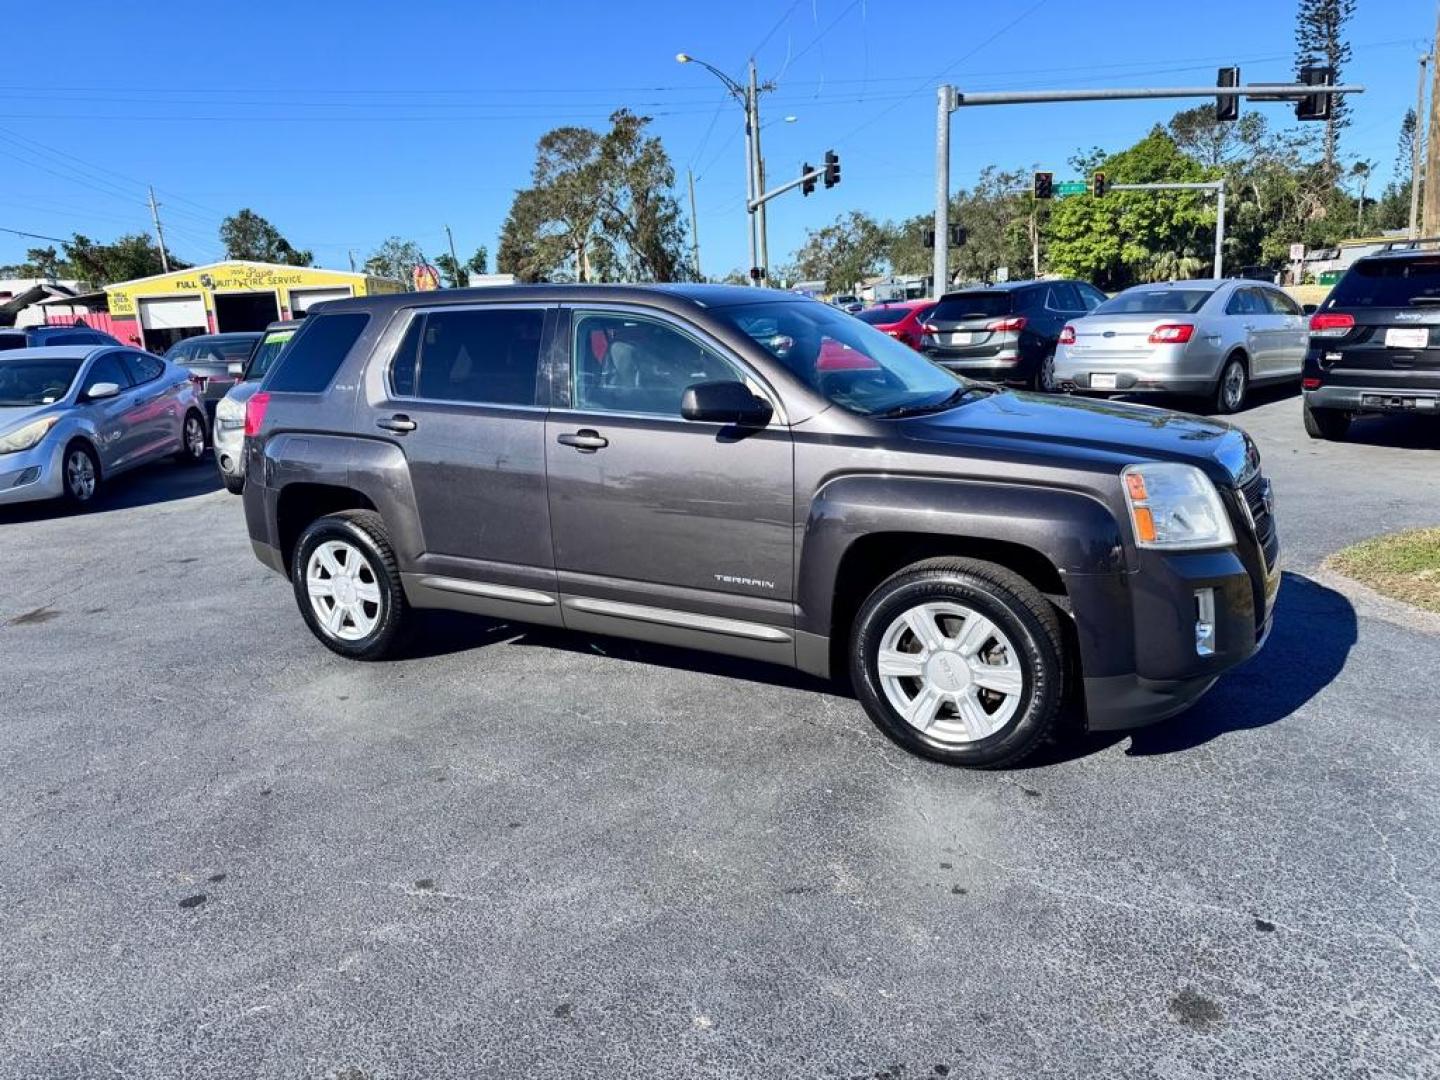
x=347, y=584
x=1233, y=387
x=193, y=439
x=960, y=661
x=1044, y=380
x=1327, y=424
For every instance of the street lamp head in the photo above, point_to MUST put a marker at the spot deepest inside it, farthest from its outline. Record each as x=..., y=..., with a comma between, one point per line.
x=682, y=58
x=791, y=119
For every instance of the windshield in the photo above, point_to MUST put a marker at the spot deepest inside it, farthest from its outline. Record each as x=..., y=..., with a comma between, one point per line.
x=35, y=381
x=976, y=305
x=1387, y=283
x=852, y=364
x=882, y=316
x=266, y=350
x=1143, y=301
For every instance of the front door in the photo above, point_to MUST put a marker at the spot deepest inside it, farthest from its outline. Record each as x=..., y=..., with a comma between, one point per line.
x=460, y=401
x=664, y=528
x=118, y=421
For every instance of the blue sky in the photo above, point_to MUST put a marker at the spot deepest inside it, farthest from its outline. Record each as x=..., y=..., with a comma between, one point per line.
x=343, y=124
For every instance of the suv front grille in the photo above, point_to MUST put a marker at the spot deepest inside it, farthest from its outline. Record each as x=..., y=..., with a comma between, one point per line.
x=1256, y=493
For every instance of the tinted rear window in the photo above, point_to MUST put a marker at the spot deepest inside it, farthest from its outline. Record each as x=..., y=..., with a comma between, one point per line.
x=1387, y=283
x=977, y=305
x=1143, y=301
x=12, y=341
x=877, y=316
x=317, y=352
x=488, y=356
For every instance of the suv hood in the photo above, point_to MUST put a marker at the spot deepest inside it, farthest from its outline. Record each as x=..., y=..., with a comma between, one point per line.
x=1088, y=428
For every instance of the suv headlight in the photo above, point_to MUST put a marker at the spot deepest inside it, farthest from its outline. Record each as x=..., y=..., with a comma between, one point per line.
x=26, y=437
x=1175, y=507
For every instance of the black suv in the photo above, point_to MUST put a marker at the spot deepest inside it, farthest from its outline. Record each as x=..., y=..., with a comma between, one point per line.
x=753, y=473
x=1375, y=343
x=1006, y=333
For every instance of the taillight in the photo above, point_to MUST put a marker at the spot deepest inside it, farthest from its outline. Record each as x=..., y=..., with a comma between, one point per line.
x=1310, y=383
x=1331, y=324
x=1067, y=336
x=1172, y=334
x=927, y=328
x=255, y=412
x=1002, y=325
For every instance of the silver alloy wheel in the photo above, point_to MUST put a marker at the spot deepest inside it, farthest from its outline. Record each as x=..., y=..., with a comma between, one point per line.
x=80, y=475
x=194, y=437
x=1234, y=390
x=1047, y=374
x=344, y=592
x=950, y=672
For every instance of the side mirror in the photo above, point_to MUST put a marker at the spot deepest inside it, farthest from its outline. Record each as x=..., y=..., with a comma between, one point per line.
x=101, y=390
x=236, y=368
x=724, y=403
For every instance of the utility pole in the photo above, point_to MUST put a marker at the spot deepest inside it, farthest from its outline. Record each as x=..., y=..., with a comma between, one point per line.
x=945, y=106
x=1415, y=152
x=1430, y=206
x=454, y=262
x=159, y=232
x=758, y=165
x=352, y=259
x=694, y=227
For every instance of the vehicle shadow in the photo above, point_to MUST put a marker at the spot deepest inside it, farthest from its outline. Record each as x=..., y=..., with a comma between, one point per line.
x=1400, y=432
x=145, y=486
x=1315, y=628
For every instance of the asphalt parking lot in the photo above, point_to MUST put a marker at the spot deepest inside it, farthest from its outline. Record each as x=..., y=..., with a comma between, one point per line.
x=226, y=852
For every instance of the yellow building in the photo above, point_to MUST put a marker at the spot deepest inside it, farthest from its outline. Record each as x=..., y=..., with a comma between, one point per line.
x=227, y=296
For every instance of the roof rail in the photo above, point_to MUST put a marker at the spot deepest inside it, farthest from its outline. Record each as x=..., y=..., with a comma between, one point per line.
x=1411, y=245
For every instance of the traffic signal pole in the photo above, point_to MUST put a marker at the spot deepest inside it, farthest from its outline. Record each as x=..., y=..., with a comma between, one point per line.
x=949, y=99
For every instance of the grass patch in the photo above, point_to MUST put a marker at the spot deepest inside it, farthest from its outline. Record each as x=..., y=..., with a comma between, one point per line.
x=1404, y=566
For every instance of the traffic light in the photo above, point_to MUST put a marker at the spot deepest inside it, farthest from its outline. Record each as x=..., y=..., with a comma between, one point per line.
x=1316, y=106
x=808, y=184
x=929, y=238
x=1044, y=181
x=1227, y=108
x=1099, y=185
x=832, y=168
x=958, y=236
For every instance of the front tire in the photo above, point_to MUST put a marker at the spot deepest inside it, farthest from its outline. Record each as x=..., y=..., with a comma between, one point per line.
x=959, y=661
x=347, y=584
x=80, y=471
x=1233, y=387
x=1328, y=424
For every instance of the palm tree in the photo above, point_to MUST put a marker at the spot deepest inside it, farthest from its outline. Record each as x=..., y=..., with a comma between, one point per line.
x=1362, y=169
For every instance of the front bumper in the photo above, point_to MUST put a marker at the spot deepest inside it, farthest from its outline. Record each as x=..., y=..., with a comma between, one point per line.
x=34, y=474
x=1138, y=635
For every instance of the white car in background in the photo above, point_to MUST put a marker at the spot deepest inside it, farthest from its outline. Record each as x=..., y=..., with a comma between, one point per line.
x=230, y=412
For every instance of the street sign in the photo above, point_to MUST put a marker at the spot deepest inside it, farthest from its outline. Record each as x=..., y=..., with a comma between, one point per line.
x=1297, y=252
x=1071, y=187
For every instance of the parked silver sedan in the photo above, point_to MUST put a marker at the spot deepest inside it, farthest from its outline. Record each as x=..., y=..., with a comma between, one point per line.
x=1208, y=338
x=73, y=416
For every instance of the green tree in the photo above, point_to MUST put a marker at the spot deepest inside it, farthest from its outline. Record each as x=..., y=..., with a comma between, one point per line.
x=247, y=235
x=1392, y=211
x=1131, y=236
x=395, y=259
x=599, y=208
x=1320, y=38
x=129, y=257
x=451, y=272
x=479, y=263
x=843, y=253
x=43, y=262
x=1212, y=142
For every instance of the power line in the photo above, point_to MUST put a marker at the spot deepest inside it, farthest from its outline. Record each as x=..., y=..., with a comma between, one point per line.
x=32, y=235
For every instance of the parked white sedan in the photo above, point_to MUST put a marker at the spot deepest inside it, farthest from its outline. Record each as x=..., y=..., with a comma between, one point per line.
x=1211, y=339
x=73, y=416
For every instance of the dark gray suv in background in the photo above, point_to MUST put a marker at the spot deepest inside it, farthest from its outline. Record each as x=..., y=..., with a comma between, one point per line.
x=743, y=471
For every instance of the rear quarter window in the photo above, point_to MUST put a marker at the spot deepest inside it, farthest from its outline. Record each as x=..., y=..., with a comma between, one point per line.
x=1387, y=283
x=316, y=353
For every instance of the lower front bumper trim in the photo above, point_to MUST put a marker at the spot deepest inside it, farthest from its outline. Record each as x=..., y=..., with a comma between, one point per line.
x=1120, y=702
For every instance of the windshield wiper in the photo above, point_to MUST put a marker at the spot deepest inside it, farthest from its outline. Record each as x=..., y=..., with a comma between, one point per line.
x=948, y=402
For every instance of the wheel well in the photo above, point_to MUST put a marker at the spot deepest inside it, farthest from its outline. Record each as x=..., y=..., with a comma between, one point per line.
x=300, y=504
x=94, y=454
x=872, y=559
x=1244, y=356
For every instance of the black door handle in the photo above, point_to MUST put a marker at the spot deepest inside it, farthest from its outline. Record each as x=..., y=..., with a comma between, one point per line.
x=399, y=423
x=586, y=440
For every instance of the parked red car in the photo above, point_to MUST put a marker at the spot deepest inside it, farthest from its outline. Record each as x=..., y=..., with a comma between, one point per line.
x=900, y=320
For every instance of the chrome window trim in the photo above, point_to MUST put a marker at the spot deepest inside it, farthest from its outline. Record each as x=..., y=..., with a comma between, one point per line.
x=696, y=333
x=397, y=337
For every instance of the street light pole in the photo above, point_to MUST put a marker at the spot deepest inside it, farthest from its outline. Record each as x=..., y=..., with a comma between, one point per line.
x=1415, y=141
x=758, y=164
x=941, y=270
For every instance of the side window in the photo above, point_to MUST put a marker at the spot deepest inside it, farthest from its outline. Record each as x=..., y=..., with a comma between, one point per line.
x=143, y=367
x=1243, y=303
x=1282, y=303
x=316, y=353
x=490, y=356
x=1090, y=297
x=107, y=369
x=628, y=364
x=1065, y=297
x=405, y=362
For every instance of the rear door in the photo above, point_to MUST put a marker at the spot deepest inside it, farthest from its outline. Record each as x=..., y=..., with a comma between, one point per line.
x=1395, y=339
x=158, y=414
x=1256, y=325
x=1292, y=335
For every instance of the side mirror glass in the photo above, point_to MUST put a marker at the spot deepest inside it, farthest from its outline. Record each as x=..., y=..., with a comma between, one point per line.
x=236, y=368
x=101, y=390
x=724, y=403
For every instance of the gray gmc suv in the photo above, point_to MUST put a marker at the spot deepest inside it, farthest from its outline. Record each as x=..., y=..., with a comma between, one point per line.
x=752, y=473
